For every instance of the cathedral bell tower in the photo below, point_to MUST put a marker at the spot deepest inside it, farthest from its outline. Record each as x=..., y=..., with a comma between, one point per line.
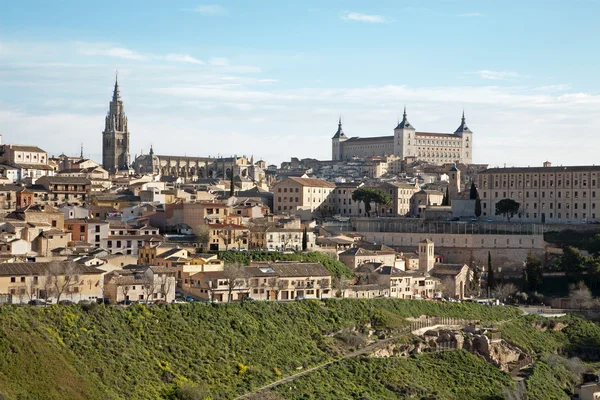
x=115, y=138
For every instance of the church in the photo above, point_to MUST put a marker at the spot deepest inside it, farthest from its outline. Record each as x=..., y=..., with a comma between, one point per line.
x=116, y=155
x=408, y=144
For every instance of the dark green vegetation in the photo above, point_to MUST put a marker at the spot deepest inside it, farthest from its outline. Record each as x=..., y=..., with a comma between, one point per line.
x=371, y=195
x=586, y=240
x=570, y=335
x=156, y=352
x=447, y=375
x=507, y=208
x=335, y=267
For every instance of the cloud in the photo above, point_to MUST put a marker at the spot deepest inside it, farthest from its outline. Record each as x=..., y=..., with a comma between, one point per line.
x=471, y=15
x=219, y=61
x=210, y=10
x=353, y=16
x=183, y=58
x=497, y=75
x=95, y=49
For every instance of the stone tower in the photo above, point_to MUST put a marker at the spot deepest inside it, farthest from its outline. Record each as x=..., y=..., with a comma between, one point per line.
x=115, y=138
x=404, y=138
x=426, y=257
x=454, y=182
x=466, y=151
x=337, y=152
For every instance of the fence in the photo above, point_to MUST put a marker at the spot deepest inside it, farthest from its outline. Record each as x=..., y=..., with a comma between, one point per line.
x=432, y=321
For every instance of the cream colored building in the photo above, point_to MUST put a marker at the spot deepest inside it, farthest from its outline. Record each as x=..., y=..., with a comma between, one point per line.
x=424, y=198
x=436, y=148
x=306, y=197
x=546, y=194
x=279, y=238
x=30, y=281
x=143, y=283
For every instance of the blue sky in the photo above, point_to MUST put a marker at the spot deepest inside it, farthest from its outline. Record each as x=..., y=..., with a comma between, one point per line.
x=270, y=78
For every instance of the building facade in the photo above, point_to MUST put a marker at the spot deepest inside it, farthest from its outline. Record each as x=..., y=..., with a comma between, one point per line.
x=115, y=138
x=545, y=194
x=435, y=148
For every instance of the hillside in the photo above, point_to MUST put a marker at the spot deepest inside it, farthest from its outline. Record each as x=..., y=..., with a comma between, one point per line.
x=150, y=352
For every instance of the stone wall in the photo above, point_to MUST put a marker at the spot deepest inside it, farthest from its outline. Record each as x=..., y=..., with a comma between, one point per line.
x=507, y=251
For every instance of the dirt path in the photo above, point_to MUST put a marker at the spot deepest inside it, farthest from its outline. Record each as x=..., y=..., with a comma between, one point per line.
x=364, y=350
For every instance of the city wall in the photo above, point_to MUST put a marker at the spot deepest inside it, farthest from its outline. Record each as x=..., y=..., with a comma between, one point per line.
x=507, y=251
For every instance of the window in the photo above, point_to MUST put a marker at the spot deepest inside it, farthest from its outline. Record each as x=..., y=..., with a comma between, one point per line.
x=82, y=228
x=13, y=279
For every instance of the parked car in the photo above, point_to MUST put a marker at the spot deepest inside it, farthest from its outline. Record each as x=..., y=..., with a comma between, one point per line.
x=247, y=298
x=179, y=301
x=125, y=302
x=36, y=302
x=299, y=297
x=103, y=300
x=159, y=301
x=66, y=303
x=189, y=299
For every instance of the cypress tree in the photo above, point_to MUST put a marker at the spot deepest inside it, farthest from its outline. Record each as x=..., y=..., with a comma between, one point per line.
x=232, y=184
x=491, y=279
x=446, y=199
x=473, y=191
x=477, y=207
x=304, y=240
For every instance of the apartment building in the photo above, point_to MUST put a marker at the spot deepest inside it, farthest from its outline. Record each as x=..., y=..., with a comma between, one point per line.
x=546, y=194
x=306, y=197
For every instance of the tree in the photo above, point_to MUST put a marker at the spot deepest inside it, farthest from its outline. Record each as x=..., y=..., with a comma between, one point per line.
x=504, y=291
x=592, y=267
x=491, y=279
x=446, y=198
x=447, y=287
x=234, y=274
x=580, y=296
x=478, y=207
x=48, y=287
x=474, y=287
x=304, y=240
x=165, y=282
x=571, y=262
x=31, y=285
x=203, y=235
x=371, y=195
x=64, y=278
x=148, y=285
x=123, y=283
x=533, y=272
x=473, y=192
x=341, y=285
x=507, y=208
x=232, y=184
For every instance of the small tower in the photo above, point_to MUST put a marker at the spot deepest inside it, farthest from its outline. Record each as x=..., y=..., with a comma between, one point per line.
x=404, y=138
x=454, y=182
x=426, y=256
x=463, y=131
x=337, y=151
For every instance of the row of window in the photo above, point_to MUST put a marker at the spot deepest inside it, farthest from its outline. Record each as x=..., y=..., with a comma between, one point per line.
x=543, y=194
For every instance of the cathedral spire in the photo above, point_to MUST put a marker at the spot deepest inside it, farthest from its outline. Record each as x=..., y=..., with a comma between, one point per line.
x=151, y=150
x=116, y=94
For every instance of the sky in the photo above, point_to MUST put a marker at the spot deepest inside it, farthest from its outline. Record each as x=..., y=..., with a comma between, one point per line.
x=271, y=78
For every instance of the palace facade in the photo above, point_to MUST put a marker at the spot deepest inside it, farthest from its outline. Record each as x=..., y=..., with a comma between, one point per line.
x=407, y=143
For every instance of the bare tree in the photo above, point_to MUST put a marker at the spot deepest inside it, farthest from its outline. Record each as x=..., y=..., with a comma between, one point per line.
x=31, y=284
x=282, y=284
x=447, y=287
x=63, y=277
x=503, y=291
x=48, y=287
x=580, y=296
x=203, y=235
x=272, y=287
x=149, y=286
x=341, y=285
x=325, y=283
x=124, y=283
x=20, y=292
x=166, y=284
x=234, y=274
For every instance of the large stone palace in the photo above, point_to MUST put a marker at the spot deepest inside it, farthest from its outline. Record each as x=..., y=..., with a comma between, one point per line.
x=116, y=155
x=407, y=143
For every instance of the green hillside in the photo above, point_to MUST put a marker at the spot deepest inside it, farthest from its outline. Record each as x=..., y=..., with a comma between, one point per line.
x=193, y=351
